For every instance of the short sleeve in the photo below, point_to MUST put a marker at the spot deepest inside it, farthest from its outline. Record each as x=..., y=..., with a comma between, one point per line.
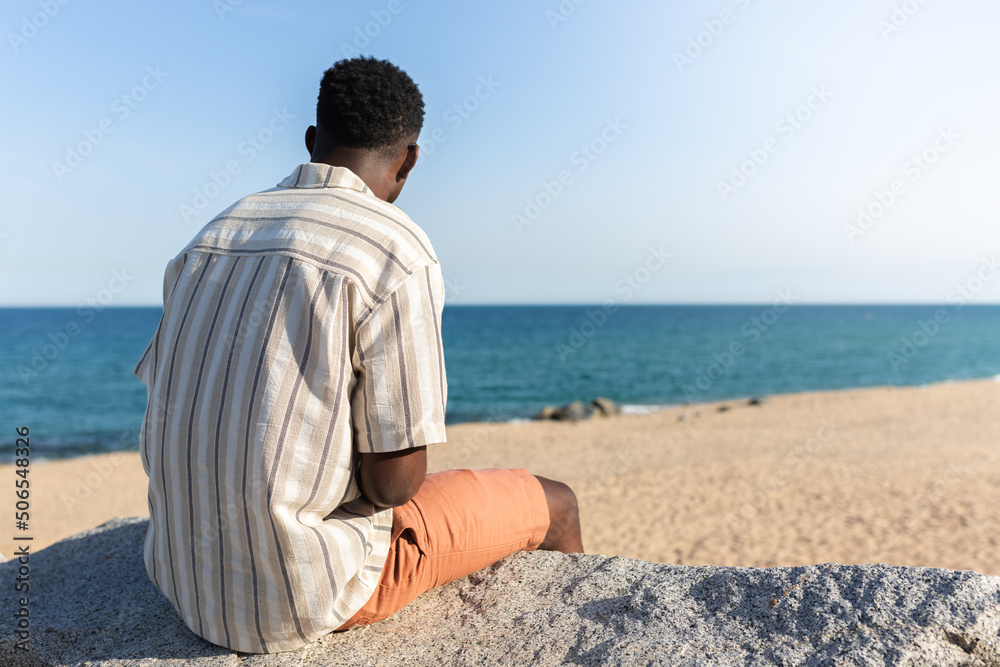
x=170, y=277
x=399, y=398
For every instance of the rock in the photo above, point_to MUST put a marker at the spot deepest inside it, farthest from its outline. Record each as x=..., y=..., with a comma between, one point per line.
x=724, y=408
x=755, y=400
x=683, y=416
x=91, y=602
x=548, y=412
x=575, y=411
x=606, y=407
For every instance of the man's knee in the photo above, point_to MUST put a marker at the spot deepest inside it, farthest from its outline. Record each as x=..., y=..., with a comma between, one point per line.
x=561, y=500
x=564, y=518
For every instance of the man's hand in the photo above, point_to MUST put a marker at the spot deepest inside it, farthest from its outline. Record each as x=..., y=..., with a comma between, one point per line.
x=391, y=479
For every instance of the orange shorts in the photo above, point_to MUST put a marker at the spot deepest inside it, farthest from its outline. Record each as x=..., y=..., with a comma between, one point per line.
x=459, y=522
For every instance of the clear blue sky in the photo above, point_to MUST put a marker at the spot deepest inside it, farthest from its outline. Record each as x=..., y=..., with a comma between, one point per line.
x=740, y=136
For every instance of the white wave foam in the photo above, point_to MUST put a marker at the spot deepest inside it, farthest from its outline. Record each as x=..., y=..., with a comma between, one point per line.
x=644, y=409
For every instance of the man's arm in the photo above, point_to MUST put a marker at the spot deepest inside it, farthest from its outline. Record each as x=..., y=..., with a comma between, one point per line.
x=398, y=400
x=391, y=479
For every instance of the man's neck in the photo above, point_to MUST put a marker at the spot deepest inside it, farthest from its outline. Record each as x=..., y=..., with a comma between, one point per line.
x=363, y=164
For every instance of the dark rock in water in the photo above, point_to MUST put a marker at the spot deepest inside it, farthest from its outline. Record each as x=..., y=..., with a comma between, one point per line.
x=578, y=410
x=575, y=411
x=606, y=407
x=94, y=605
x=755, y=400
x=548, y=412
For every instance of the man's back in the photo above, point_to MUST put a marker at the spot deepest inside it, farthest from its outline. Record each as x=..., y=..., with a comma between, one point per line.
x=294, y=331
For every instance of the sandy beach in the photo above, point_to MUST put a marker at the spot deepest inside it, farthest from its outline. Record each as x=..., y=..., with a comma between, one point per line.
x=907, y=476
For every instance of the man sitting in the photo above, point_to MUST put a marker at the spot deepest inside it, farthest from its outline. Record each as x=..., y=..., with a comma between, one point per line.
x=294, y=381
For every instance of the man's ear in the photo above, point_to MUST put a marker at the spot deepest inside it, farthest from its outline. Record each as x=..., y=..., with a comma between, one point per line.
x=412, y=153
x=310, y=138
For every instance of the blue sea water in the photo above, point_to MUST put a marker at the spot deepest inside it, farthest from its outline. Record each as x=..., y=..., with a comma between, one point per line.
x=67, y=372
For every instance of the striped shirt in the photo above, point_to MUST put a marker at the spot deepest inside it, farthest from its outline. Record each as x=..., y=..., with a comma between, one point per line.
x=301, y=326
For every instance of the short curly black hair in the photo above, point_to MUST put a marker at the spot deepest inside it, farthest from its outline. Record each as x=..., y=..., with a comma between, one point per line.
x=368, y=103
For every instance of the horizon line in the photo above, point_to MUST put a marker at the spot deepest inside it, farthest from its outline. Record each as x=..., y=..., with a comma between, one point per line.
x=585, y=304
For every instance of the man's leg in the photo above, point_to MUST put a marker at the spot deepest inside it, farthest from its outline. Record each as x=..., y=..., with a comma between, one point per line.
x=564, y=518
x=464, y=520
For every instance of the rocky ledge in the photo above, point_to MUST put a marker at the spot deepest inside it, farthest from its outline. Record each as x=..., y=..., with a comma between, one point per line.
x=92, y=604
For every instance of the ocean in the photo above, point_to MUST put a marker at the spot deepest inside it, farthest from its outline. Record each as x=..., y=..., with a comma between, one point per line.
x=67, y=372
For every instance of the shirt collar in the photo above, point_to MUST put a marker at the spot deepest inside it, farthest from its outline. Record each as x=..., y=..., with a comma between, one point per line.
x=320, y=175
